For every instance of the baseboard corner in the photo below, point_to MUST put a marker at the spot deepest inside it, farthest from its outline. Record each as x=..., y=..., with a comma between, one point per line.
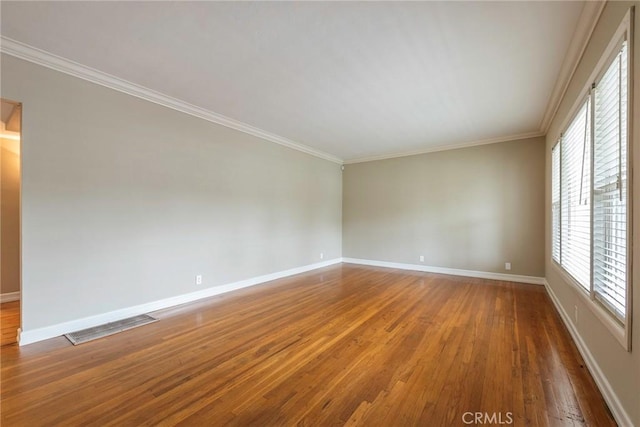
x=10, y=296
x=533, y=280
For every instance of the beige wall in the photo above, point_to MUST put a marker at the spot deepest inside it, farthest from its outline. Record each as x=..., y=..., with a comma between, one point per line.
x=473, y=208
x=621, y=368
x=125, y=201
x=10, y=217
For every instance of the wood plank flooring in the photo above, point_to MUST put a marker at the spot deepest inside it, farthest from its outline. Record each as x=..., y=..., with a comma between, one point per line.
x=9, y=322
x=343, y=345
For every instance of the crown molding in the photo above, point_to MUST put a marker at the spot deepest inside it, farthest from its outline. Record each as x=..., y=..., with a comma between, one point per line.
x=41, y=57
x=446, y=147
x=586, y=24
x=46, y=59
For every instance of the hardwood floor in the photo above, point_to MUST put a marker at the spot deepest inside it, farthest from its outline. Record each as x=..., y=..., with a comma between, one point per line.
x=342, y=345
x=9, y=322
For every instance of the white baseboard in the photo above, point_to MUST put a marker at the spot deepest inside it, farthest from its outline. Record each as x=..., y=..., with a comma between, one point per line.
x=40, y=334
x=620, y=415
x=28, y=337
x=10, y=296
x=453, y=271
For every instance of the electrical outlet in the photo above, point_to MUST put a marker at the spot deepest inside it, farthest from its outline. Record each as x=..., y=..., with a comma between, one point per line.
x=199, y=279
x=507, y=266
x=575, y=313
x=421, y=258
x=321, y=255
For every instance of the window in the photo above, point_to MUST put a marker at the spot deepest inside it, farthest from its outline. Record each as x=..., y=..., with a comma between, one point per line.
x=610, y=186
x=590, y=188
x=555, y=203
x=575, y=206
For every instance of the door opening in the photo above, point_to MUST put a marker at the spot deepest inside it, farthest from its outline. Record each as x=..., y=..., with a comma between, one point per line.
x=10, y=273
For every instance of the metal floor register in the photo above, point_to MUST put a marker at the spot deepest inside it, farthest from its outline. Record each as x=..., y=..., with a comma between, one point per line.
x=90, y=334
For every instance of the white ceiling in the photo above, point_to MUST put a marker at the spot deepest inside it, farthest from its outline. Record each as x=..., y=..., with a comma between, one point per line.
x=352, y=79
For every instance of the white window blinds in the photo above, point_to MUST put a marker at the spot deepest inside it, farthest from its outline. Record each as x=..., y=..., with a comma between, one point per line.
x=591, y=194
x=610, y=186
x=555, y=202
x=575, y=195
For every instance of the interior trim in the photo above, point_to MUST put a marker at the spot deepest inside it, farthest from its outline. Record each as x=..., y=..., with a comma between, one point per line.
x=453, y=271
x=446, y=147
x=10, y=296
x=586, y=24
x=23, y=51
x=40, y=334
x=617, y=410
x=41, y=57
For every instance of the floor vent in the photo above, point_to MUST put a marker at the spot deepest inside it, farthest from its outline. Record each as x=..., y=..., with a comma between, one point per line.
x=80, y=337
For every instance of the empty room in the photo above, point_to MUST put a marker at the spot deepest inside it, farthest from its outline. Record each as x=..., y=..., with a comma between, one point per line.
x=377, y=213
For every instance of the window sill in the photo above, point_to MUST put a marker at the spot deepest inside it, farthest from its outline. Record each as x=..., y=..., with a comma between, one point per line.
x=603, y=315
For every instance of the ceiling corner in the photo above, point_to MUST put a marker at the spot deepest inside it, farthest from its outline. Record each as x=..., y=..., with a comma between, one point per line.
x=586, y=24
x=41, y=57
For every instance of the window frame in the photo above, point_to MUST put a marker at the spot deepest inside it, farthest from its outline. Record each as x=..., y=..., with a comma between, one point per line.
x=584, y=100
x=629, y=236
x=620, y=328
x=558, y=148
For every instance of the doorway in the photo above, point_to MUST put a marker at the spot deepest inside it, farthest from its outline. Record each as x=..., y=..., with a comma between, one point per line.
x=10, y=280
